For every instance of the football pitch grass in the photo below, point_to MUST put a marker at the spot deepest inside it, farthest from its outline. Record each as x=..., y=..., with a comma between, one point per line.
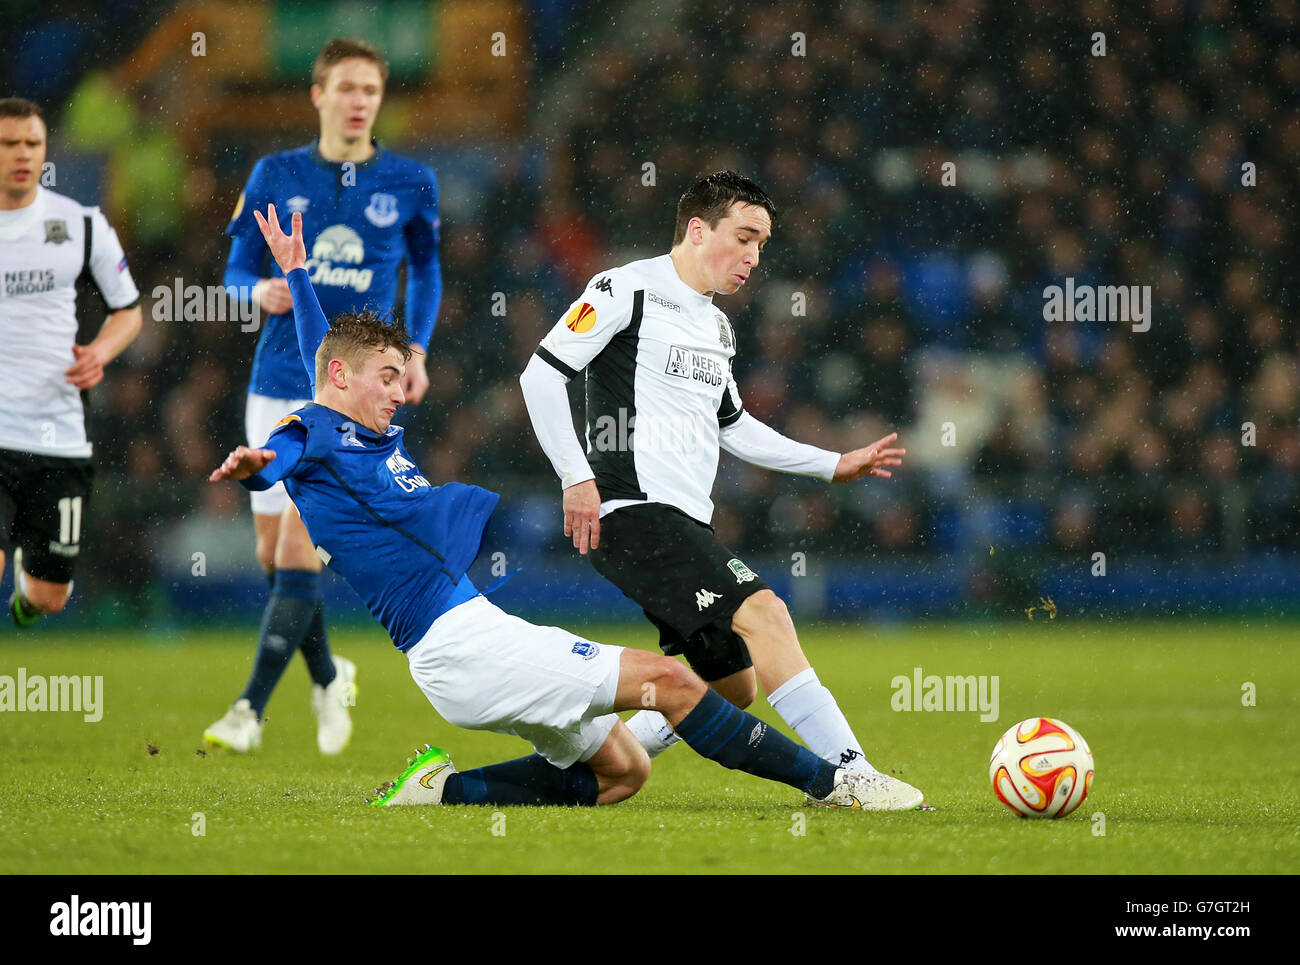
x=1190, y=780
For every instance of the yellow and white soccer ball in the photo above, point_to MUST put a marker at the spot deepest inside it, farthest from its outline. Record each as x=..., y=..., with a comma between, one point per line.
x=1041, y=768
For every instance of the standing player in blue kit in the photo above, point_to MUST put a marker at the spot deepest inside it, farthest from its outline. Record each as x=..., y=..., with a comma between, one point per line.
x=374, y=209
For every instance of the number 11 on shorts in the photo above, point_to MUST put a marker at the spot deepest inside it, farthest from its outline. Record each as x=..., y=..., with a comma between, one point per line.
x=70, y=520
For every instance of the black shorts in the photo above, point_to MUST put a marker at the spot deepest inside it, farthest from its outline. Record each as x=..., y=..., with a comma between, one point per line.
x=688, y=583
x=43, y=501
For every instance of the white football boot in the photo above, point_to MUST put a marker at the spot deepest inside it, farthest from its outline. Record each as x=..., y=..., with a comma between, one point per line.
x=870, y=791
x=330, y=705
x=421, y=783
x=239, y=731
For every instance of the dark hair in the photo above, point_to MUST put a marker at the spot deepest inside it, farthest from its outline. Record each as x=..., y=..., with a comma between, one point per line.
x=354, y=335
x=343, y=48
x=20, y=107
x=711, y=197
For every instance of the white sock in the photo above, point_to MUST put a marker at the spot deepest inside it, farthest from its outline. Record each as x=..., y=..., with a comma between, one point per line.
x=811, y=712
x=652, y=729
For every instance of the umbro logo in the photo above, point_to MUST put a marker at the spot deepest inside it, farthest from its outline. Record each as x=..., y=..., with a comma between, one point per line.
x=706, y=598
x=756, y=734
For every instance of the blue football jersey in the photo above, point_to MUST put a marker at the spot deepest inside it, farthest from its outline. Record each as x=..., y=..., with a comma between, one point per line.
x=402, y=543
x=360, y=220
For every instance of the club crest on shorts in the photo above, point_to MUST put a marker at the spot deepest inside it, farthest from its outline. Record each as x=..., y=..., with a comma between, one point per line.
x=586, y=649
x=742, y=572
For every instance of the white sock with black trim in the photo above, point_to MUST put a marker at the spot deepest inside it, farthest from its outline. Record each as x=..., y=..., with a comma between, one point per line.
x=811, y=712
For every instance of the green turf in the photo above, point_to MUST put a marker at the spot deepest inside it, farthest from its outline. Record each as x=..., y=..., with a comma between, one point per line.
x=1188, y=780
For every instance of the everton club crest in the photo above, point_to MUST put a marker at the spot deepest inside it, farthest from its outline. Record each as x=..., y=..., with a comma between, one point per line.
x=382, y=210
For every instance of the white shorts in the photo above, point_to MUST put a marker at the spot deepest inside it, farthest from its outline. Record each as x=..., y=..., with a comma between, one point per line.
x=261, y=413
x=484, y=669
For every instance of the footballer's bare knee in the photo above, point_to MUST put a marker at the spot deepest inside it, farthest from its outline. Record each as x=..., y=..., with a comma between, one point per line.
x=45, y=596
x=764, y=613
x=763, y=622
x=648, y=681
x=740, y=688
x=621, y=766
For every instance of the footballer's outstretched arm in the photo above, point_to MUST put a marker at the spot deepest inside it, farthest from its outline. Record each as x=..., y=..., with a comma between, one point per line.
x=760, y=444
x=259, y=469
x=291, y=255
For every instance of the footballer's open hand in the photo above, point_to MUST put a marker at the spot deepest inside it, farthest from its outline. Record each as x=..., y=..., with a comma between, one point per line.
x=869, y=461
x=290, y=251
x=242, y=463
x=582, y=515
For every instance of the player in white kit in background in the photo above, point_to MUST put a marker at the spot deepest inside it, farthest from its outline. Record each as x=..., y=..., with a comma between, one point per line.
x=47, y=242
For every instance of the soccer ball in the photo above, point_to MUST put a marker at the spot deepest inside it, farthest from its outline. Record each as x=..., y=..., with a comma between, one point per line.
x=1041, y=768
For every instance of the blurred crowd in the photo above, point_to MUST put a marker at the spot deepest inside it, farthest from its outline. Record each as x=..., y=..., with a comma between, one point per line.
x=936, y=166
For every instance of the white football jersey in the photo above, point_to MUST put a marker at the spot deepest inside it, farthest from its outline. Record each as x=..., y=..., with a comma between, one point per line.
x=42, y=253
x=659, y=384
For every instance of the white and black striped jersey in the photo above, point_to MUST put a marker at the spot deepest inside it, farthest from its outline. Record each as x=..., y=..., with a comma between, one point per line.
x=44, y=248
x=659, y=384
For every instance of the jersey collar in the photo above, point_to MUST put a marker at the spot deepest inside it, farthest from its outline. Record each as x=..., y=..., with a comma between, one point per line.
x=320, y=161
x=15, y=223
x=669, y=271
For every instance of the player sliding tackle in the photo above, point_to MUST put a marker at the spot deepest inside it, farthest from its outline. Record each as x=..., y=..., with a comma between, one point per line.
x=404, y=545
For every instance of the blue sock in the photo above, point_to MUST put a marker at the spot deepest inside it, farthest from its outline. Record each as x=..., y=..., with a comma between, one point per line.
x=316, y=650
x=285, y=621
x=726, y=734
x=526, y=780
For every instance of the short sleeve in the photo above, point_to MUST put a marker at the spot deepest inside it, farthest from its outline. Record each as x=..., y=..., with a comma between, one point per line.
x=108, y=265
x=603, y=310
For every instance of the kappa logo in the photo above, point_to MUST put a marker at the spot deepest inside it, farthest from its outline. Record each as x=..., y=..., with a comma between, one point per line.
x=756, y=734
x=742, y=572
x=706, y=598
x=586, y=649
x=663, y=302
x=382, y=211
x=606, y=286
